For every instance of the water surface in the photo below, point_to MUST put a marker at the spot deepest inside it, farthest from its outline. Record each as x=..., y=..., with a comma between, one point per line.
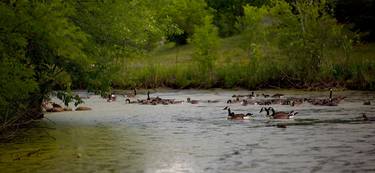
x=119, y=137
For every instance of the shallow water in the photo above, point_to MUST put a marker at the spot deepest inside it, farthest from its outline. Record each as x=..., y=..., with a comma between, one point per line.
x=119, y=137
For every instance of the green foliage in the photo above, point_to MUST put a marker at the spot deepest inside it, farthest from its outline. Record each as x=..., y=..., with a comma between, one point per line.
x=17, y=83
x=68, y=97
x=206, y=41
x=61, y=44
x=185, y=14
x=297, y=40
x=227, y=12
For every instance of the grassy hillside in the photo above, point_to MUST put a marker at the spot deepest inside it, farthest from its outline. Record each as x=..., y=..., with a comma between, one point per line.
x=172, y=66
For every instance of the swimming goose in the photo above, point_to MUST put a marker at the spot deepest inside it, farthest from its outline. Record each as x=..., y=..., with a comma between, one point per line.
x=277, y=95
x=233, y=101
x=233, y=116
x=192, y=101
x=132, y=94
x=282, y=115
x=111, y=97
x=130, y=102
x=278, y=115
x=213, y=101
x=331, y=101
x=366, y=118
x=367, y=103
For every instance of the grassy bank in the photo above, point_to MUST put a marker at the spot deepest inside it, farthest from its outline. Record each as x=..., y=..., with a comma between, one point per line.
x=173, y=66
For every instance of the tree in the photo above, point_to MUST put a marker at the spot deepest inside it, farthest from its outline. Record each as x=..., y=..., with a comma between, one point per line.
x=185, y=14
x=296, y=36
x=206, y=42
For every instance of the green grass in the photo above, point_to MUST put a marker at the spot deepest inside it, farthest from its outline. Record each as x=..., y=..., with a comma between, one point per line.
x=172, y=66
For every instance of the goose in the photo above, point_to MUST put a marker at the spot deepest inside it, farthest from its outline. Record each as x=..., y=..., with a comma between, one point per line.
x=233, y=116
x=278, y=115
x=244, y=102
x=213, y=101
x=157, y=99
x=132, y=94
x=252, y=95
x=234, y=101
x=111, y=97
x=192, y=101
x=331, y=101
x=282, y=115
x=366, y=118
x=130, y=102
x=367, y=103
x=277, y=95
x=264, y=109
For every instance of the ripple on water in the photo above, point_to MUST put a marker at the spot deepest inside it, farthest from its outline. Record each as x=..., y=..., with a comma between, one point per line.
x=118, y=137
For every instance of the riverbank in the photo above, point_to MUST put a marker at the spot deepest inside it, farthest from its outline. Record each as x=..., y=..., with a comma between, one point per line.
x=173, y=66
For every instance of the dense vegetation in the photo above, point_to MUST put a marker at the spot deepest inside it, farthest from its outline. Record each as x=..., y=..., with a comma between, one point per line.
x=57, y=45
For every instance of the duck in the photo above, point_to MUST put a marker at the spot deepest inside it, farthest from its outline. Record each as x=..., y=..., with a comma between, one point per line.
x=367, y=103
x=192, y=101
x=233, y=116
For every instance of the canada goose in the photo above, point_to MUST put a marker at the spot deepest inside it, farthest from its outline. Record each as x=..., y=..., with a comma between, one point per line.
x=130, y=102
x=148, y=95
x=132, y=94
x=233, y=116
x=281, y=115
x=213, y=101
x=237, y=100
x=252, y=95
x=330, y=94
x=83, y=108
x=277, y=95
x=295, y=101
x=111, y=97
x=265, y=95
x=244, y=102
x=264, y=102
x=264, y=109
x=192, y=101
x=366, y=118
x=367, y=103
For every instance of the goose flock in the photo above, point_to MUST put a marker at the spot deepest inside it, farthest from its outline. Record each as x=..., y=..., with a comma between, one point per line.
x=247, y=99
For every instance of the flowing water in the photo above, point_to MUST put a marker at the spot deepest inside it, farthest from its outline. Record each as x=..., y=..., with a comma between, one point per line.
x=119, y=137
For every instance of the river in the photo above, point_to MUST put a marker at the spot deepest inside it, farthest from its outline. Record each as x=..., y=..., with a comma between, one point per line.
x=120, y=137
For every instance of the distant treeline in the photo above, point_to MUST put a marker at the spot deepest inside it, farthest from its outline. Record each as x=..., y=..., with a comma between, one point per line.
x=359, y=14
